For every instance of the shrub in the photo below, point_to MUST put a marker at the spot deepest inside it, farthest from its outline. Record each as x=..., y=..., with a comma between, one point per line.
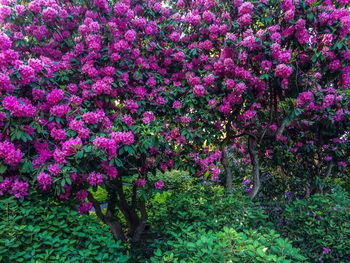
x=320, y=226
x=189, y=202
x=198, y=245
x=40, y=230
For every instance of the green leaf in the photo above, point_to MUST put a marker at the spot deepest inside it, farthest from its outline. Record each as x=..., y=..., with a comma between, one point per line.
x=3, y=168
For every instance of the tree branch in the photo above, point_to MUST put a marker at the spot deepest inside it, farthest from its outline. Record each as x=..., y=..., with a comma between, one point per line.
x=97, y=207
x=256, y=168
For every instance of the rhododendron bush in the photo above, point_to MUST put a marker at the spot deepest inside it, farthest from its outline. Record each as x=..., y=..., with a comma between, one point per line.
x=95, y=93
x=276, y=85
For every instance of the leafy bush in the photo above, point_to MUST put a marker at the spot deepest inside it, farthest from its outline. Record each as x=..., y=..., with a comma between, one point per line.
x=188, y=219
x=320, y=226
x=40, y=230
x=228, y=246
x=201, y=205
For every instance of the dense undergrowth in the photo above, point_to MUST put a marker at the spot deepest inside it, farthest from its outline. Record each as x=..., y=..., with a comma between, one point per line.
x=189, y=222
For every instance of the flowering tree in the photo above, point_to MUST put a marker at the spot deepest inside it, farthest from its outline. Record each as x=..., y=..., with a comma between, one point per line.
x=84, y=87
x=95, y=93
x=272, y=78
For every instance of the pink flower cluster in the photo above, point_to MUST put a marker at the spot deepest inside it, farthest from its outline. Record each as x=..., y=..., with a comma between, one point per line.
x=44, y=180
x=18, y=108
x=10, y=154
x=95, y=179
x=283, y=71
x=126, y=138
x=14, y=186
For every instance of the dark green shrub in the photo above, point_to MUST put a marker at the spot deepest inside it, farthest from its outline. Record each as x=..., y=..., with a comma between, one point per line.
x=40, y=230
x=197, y=245
x=319, y=224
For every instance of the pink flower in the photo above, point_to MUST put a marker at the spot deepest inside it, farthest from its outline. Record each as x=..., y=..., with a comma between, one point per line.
x=215, y=172
x=177, y=104
x=81, y=195
x=326, y=250
x=44, y=181
x=103, y=4
x=328, y=100
x=59, y=110
x=341, y=164
x=328, y=158
x=55, y=96
x=245, y=20
x=141, y=182
x=305, y=98
x=128, y=120
x=111, y=171
x=159, y=184
x=5, y=42
x=208, y=16
x=245, y=8
x=54, y=169
x=120, y=8
x=198, y=91
x=5, y=185
x=175, y=36
x=130, y=35
x=10, y=154
x=66, y=192
x=95, y=179
x=212, y=103
x=71, y=146
x=49, y=14
x=249, y=42
x=131, y=105
x=273, y=127
x=268, y=153
x=58, y=134
x=27, y=73
x=106, y=144
x=123, y=137
x=19, y=188
x=334, y=65
x=84, y=207
x=230, y=83
x=249, y=114
x=93, y=117
x=148, y=117
x=5, y=82
x=283, y=71
x=18, y=108
x=179, y=56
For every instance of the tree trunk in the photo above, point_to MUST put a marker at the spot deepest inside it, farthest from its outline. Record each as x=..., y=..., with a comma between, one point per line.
x=227, y=168
x=136, y=223
x=142, y=223
x=109, y=218
x=307, y=190
x=115, y=227
x=256, y=167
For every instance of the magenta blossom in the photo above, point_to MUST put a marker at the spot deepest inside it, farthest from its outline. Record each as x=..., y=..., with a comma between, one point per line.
x=159, y=184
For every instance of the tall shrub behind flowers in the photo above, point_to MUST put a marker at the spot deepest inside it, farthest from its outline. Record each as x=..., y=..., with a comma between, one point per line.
x=95, y=93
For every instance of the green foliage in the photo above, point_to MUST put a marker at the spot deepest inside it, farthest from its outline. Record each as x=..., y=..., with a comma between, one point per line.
x=100, y=194
x=189, y=202
x=198, y=245
x=323, y=221
x=40, y=230
x=187, y=223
